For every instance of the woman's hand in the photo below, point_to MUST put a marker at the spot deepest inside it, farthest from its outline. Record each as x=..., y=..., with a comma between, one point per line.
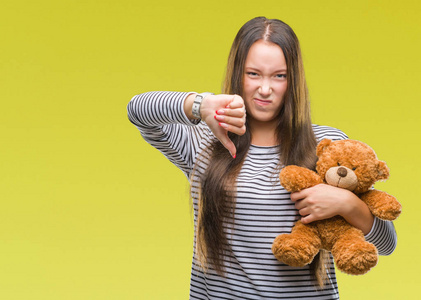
x=223, y=114
x=325, y=201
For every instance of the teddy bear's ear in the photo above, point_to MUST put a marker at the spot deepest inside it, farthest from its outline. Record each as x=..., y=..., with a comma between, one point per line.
x=322, y=146
x=383, y=170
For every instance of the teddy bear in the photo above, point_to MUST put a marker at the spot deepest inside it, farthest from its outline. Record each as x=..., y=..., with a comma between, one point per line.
x=347, y=164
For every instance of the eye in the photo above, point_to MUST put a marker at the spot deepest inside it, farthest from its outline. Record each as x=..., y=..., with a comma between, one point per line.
x=354, y=168
x=339, y=164
x=281, y=76
x=252, y=74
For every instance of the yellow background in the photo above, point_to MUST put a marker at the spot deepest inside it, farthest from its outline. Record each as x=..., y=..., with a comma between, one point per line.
x=90, y=211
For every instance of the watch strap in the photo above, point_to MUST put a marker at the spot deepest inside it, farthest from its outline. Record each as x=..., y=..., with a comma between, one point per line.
x=197, y=103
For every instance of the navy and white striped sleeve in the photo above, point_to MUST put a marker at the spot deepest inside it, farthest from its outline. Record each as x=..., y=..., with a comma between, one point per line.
x=383, y=236
x=161, y=120
x=326, y=132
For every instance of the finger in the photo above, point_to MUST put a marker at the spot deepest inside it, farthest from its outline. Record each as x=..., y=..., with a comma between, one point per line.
x=299, y=204
x=211, y=103
x=307, y=219
x=238, y=112
x=304, y=212
x=235, y=105
x=233, y=129
x=237, y=122
x=297, y=196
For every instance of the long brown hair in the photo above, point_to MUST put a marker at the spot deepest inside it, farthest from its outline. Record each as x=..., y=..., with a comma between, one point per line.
x=294, y=131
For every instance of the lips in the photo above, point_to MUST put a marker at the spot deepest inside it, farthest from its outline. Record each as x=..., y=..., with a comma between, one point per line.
x=262, y=102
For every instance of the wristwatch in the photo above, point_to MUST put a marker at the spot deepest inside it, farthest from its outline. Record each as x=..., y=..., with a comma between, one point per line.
x=196, y=104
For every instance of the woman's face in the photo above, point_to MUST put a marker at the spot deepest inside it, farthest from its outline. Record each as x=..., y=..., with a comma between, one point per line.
x=265, y=82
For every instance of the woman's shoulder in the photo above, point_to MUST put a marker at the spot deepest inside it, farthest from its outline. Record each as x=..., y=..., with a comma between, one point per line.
x=327, y=132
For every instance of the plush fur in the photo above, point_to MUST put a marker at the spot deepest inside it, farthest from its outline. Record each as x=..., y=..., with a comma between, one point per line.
x=348, y=164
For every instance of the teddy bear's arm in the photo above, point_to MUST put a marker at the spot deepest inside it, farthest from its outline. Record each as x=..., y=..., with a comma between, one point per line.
x=381, y=204
x=294, y=178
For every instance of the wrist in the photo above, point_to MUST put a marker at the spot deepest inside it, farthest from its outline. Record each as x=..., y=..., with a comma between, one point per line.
x=197, y=104
x=357, y=213
x=349, y=204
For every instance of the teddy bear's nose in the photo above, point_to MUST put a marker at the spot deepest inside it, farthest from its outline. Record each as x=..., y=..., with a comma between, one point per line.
x=342, y=172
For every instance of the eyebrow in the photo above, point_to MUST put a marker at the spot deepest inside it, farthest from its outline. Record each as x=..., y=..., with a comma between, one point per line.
x=255, y=69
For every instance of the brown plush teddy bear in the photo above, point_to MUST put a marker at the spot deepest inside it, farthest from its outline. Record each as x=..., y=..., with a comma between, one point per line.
x=348, y=164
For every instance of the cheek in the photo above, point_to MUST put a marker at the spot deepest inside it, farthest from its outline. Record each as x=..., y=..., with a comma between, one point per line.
x=281, y=88
x=248, y=86
x=249, y=90
x=247, y=93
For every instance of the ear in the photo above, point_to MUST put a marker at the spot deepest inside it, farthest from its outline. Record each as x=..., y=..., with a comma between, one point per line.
x=383, y=170
x=322, y=146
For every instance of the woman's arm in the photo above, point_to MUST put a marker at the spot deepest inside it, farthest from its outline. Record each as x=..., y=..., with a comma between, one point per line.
x=160, y=118
x=324, y=201
x=166, y=122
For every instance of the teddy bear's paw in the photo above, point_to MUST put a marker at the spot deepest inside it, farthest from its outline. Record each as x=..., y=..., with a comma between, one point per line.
x=389, y=211
x=382, y=205
x=356, y=258
x=292, y=251
x=295, y=178
x=389, y=215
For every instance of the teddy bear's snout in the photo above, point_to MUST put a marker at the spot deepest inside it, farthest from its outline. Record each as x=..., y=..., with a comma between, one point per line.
x=343, y=177
x=342, y=172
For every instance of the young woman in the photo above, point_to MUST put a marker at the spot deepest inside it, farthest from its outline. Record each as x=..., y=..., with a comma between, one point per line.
x=232, y=146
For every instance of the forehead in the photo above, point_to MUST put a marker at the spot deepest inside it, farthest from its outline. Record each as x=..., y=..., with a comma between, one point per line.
x=267, y=55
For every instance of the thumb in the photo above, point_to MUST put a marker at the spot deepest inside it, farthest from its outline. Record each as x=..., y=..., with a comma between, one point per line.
x=228, y=144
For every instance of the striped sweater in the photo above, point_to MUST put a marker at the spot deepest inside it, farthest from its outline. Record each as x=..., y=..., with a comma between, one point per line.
x=263, y=208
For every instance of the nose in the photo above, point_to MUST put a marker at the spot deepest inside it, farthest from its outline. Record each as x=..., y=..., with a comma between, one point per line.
x=265, y=89
x=342, y=172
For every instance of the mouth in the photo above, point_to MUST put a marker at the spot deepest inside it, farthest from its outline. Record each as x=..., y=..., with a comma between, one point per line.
x=261, y=101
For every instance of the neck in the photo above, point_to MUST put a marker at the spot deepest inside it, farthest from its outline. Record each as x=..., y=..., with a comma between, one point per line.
x=263, y=133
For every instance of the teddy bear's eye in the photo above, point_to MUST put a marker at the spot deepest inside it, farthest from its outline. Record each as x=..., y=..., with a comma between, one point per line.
x=339, y=164
x=354, y=168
